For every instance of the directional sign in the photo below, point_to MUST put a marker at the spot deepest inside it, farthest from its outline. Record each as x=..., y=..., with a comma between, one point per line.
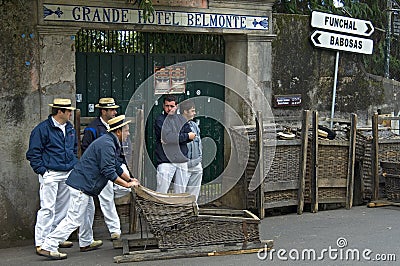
x=341, y=24
x=342, y=42
x=396, y=25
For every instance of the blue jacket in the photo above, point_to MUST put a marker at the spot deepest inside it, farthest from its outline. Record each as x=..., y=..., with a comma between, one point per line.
x=173, y=130
x=50, y=150
x=97, y=129
x=195, y=153
x=97, y=165
x=93, y=131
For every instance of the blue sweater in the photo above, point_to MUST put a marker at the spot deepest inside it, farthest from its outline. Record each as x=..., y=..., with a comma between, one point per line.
x=93, y=131
x=50, y=150
x=195, y=153
x=97, y=165
x=173, y=130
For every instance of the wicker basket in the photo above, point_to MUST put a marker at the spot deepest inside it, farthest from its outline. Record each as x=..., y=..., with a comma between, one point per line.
x=211, y=230
x=174, y=221
x=164, y=211
x=391, y=172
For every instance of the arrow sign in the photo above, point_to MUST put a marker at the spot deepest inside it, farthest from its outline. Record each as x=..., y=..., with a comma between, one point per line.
x=342, y=24
x=342, y=42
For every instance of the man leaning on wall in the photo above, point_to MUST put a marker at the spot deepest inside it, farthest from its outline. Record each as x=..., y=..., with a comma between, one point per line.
x=52, y=154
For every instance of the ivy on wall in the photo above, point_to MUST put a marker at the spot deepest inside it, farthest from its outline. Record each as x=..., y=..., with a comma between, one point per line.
x=145, y=5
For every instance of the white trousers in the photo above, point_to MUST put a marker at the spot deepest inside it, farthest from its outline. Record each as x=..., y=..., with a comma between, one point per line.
x=108, y=208
x=195, y=175
x=77, y=216
x=165, y=173
x=120, y=191
x=54, y=201
x=107, y=204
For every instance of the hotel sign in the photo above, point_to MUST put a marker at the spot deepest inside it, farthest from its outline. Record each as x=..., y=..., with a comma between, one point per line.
x=90, y=14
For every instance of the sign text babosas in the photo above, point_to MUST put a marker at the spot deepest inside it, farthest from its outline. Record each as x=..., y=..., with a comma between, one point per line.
x=342, y=42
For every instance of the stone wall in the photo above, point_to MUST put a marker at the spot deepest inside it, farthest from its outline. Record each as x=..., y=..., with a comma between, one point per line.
x=299, y=68
x=20, y=112
x=34, y=69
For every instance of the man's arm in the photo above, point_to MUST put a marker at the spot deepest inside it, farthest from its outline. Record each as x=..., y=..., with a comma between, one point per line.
x=198, y=135
x=176, y=130
x=110, y=167
x=35, y=151
x=185, y=134
x=121, y=172
x=157, y=127
x=76, y=144
x=132, y=183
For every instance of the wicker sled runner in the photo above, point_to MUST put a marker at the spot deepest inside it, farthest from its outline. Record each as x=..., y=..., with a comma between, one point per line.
x=175, y=221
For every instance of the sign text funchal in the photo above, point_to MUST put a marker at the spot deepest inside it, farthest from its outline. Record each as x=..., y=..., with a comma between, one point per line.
x=341, y=24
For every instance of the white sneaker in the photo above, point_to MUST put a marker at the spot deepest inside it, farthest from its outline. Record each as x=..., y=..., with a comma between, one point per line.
x=115, y=236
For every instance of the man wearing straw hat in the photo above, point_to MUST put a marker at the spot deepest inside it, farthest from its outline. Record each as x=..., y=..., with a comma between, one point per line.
x=97, y=166
x=97, y=128
x=52, y=154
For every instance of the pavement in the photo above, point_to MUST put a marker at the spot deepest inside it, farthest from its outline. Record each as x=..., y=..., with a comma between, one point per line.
x=357, y=236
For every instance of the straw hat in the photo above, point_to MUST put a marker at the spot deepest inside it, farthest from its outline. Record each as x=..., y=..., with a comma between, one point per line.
x=322, y=133
x=62, y=104
x=117, y=122
x=286, y=135
x=325, y=132
x=106, y=103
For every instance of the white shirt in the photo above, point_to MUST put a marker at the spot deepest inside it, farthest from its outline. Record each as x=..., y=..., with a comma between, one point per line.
x=105, y=123
x=61, y=126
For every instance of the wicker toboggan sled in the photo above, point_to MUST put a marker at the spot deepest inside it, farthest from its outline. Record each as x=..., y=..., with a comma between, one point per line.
x=178, y=224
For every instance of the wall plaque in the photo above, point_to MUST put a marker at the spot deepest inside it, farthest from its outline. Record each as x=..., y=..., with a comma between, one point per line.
x=169, y=80
x=286, y=100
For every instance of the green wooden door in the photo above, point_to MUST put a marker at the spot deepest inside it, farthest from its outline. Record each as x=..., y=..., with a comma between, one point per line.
x=112, y=71
x=210, y=125
x=107, y=75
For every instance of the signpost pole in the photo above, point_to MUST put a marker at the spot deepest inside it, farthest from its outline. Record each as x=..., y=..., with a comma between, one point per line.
x=334, y=88
x=388, y=33
x=341, y=42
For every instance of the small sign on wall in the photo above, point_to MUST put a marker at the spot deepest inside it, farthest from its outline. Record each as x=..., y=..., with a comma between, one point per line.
x=169, y=80
x=91, y=107
x=288, y=100
x=396, y=24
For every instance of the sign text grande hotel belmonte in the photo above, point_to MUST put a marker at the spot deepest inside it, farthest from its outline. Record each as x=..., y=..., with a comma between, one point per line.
x=74, y=13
